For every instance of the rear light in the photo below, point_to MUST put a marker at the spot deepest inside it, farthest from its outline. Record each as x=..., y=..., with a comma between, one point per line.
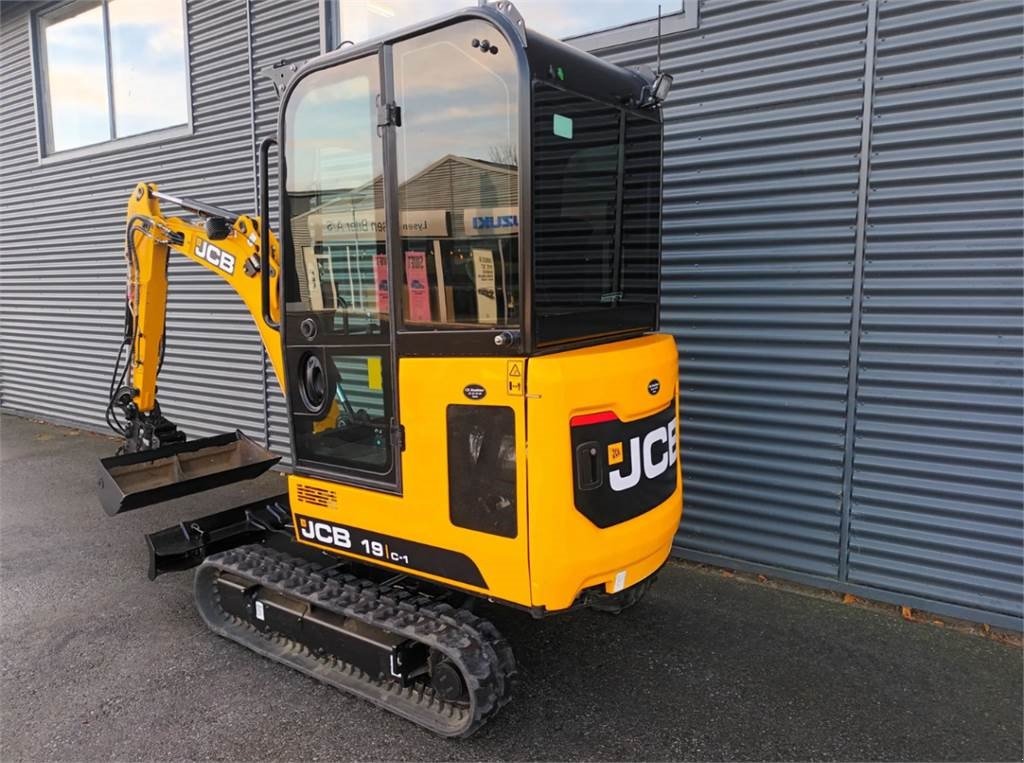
x=592, y=418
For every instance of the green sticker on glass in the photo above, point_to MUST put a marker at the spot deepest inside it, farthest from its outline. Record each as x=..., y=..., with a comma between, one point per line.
x=563, y=127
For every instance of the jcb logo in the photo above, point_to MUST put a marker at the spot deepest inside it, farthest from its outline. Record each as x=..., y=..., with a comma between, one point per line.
x=650, y=456
x=326, y=533
x=215, y=256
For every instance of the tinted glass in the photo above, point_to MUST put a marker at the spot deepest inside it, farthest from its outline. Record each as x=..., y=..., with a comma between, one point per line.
x=458, y=175
x=596, y=197
x=337, y=274
x=576, y=182
x=641, y=214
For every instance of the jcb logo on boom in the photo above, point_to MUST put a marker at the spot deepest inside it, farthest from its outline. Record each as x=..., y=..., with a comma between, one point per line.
x=650, y=456
x=207, y=251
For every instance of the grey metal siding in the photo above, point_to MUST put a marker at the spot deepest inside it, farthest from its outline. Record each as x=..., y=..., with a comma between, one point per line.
x=762, y=142
x=768, y=268
x=281, y=31
x=61, y=247
x=937, y=486
x=61, y=232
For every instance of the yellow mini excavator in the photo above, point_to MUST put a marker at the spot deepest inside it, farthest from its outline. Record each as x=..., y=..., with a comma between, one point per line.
x=461, y=308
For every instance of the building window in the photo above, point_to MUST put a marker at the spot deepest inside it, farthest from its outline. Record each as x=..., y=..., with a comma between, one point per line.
x=567, y=19
x=110, y=69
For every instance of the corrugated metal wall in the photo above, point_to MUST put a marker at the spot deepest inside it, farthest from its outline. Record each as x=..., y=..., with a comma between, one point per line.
x=762, y=146
x=281, y=31
x=798, y=239
x=936, y=496
x=61, y=239
x=847, y=295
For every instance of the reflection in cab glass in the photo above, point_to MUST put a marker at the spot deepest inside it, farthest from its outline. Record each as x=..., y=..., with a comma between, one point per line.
x=458, y=176
x=337, y=296
x=338, y=272
x=353, y=430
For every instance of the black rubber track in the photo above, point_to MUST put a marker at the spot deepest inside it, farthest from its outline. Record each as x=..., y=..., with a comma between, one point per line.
x=473, y=644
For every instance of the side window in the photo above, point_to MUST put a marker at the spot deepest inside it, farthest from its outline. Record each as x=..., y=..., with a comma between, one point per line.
x=458, y=178
x=338, y=274
x=110, y=69
x=576, y=190
x=343, y=417
x=641, y=209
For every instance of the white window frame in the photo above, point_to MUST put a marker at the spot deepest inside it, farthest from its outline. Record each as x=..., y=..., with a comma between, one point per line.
x=45, y=153
x=687, y=17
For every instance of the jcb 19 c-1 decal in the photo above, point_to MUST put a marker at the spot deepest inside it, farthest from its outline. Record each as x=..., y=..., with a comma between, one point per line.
x=417, y=557
x=623, y=469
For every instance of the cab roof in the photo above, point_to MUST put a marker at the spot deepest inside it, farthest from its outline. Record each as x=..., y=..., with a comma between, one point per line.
x=545, y=58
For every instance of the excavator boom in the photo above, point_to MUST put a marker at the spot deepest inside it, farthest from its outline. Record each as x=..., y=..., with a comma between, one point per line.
x=155, y=462
x=228, y=246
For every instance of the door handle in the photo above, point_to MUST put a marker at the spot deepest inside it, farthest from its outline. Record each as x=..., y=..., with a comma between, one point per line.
x=264, y=212
x=589, y=475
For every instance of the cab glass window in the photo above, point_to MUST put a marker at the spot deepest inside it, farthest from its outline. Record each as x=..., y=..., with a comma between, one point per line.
x=596, y=205
x=458, y=178
x=337, y=295
x=336, y=276
x=347, y=421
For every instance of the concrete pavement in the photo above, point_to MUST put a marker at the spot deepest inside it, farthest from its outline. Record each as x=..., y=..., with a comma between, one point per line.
x=98, y=663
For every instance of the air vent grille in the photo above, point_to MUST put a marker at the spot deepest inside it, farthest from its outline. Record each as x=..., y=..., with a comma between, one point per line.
x=316, y=496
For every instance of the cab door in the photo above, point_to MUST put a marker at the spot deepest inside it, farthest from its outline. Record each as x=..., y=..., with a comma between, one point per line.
x=338, y=306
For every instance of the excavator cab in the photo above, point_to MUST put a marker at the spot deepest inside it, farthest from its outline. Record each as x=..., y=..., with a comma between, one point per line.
x=461, y=307
x=466, y=190
x=470, y=250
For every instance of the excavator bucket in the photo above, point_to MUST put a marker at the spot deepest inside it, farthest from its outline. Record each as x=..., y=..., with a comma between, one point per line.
x=140, y=479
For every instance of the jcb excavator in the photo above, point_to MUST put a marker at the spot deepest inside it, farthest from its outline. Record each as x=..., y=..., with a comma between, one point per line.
x=461, y=308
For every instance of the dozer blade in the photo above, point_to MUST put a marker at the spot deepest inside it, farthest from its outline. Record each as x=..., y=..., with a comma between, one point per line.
x=186, y=544
x=140, y=479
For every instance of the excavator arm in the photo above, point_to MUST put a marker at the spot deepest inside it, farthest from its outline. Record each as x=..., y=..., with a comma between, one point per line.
x=154, y=462
x=226, y=244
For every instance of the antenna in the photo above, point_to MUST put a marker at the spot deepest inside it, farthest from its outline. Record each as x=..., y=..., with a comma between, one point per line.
x=659, y=39
x=662, y=82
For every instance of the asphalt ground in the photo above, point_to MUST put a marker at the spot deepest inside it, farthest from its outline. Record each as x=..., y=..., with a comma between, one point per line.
x=98, y=663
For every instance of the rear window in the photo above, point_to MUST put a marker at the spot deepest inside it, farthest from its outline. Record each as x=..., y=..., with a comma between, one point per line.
x=597, y=213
